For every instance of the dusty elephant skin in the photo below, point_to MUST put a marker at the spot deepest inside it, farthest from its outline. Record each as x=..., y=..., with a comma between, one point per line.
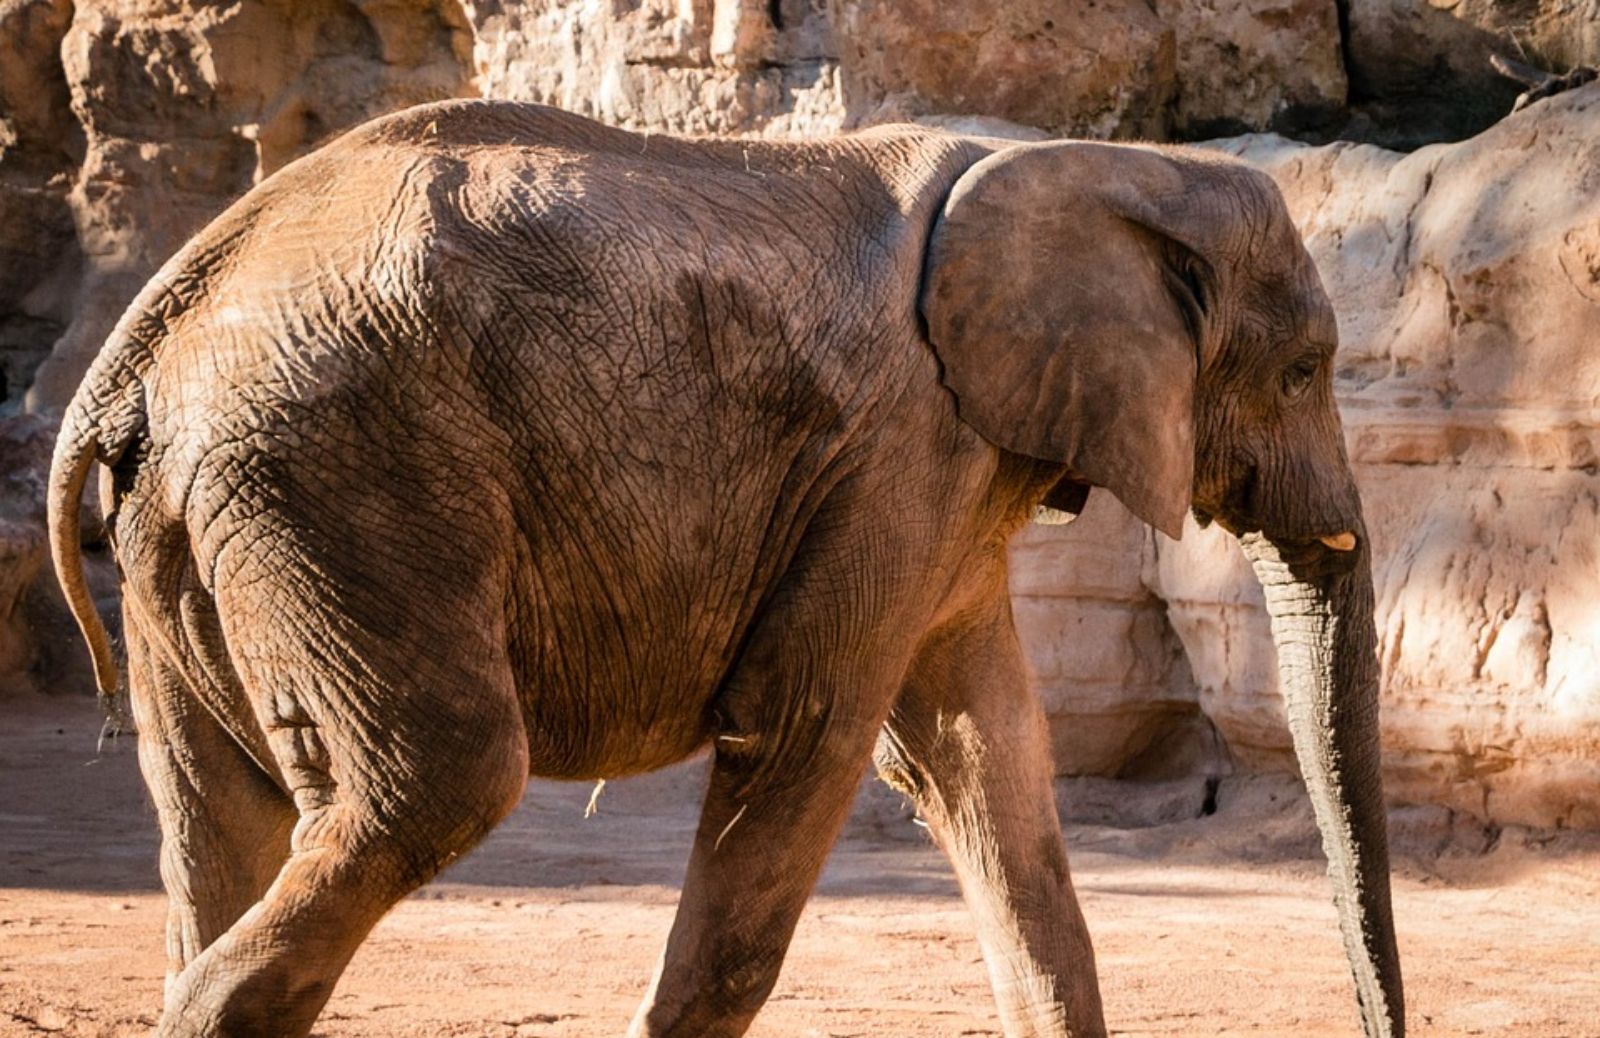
x=489, y=441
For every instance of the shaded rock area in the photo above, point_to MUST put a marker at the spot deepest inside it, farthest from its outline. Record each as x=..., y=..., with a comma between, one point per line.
x=38, y=638
x=41, y=146
x=1419, y=69
x=1466, y=278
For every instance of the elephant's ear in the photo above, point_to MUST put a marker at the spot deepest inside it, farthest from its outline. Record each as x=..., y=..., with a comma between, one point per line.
x=1065, y=305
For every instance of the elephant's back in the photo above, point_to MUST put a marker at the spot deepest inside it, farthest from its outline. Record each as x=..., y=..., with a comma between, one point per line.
x=352, y=265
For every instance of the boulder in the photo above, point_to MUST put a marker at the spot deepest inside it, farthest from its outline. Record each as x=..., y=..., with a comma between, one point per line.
x=1096, y=70
x=1121, y=69
x=1255, y=64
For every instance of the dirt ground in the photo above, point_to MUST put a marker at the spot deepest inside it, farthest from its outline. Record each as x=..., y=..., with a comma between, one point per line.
x=1216, y=925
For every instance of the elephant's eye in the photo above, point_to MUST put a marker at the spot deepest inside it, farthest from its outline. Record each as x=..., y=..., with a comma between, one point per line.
x=1297, y=377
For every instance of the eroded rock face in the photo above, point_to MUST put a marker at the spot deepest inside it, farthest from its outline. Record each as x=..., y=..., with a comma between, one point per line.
x=1266, y=64
x=681, y=66
x=1102, y=70
x=1467, y=282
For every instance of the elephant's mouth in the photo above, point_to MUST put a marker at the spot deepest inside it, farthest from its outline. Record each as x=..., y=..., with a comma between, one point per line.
x=1316, y=541
x=1315, y=559
x=1309, y=555
x=1235, y=507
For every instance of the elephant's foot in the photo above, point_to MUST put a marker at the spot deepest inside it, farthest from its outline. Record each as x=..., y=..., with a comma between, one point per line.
x=275, y=968
x=348, y=863
x=224, y=824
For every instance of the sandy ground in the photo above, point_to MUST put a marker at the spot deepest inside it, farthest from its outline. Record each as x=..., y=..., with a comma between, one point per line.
x=1218, y=925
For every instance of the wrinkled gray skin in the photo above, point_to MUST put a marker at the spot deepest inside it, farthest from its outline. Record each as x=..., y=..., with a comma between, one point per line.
x=489, y=441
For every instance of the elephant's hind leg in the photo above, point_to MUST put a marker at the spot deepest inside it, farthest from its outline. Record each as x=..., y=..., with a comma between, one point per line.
x=224, y=823
x=394, y=719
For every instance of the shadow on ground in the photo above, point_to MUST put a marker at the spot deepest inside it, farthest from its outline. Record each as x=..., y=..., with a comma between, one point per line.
x=76, y=820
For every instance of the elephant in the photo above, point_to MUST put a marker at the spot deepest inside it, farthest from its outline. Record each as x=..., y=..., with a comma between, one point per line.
x=488, y=441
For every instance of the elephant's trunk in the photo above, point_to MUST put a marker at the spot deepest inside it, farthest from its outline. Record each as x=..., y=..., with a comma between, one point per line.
x=1327, y=662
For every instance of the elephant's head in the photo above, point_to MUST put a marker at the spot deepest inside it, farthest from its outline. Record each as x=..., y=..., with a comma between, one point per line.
x=1149, y=319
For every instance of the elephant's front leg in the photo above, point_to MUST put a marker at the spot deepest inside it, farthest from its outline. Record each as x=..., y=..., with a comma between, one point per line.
x=967, y=740
x=798, y=721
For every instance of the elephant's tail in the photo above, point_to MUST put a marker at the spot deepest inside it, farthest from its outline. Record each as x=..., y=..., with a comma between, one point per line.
x=105, y=415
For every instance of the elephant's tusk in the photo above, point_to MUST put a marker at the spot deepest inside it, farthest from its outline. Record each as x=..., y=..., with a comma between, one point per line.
x=1345, y=541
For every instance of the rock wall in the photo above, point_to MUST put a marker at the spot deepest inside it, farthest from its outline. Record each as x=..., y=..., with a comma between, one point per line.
x=1464, y=275
x=1120, y=69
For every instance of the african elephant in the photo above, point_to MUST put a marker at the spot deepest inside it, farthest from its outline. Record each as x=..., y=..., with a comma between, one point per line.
x=489, y=441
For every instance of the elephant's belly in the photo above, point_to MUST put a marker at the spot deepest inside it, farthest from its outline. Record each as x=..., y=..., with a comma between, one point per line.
x=640, y=585
x=595, y=740
x=625, y=750
x=607, y=693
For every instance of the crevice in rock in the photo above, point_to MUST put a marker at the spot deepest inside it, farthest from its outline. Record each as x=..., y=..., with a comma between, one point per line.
x=1403, y=261
x=1342, y=7
x=670, y=61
